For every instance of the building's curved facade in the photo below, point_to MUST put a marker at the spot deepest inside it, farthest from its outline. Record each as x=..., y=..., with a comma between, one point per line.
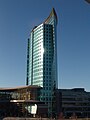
x=42, y=58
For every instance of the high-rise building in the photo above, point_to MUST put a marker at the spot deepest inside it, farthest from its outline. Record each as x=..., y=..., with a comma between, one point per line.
x=42, y=59
x=87, y=1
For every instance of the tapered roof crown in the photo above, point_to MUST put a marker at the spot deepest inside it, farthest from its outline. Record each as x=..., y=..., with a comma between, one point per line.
x=52, y=14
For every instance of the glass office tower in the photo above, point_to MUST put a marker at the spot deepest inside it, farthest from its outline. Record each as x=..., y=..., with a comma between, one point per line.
x=42, y=59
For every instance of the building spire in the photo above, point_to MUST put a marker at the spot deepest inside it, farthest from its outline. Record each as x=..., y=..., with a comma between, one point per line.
x=53, y=13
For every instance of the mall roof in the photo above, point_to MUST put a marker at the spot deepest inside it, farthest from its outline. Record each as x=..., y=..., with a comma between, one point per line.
x=21, y=87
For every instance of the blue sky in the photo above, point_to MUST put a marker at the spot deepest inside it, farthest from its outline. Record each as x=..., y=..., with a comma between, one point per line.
x=18, y=17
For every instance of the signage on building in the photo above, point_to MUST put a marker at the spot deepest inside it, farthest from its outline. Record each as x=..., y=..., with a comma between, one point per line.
x=34, y=109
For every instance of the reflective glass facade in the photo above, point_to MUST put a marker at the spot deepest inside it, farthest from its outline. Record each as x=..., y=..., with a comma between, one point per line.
x=42, y=59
